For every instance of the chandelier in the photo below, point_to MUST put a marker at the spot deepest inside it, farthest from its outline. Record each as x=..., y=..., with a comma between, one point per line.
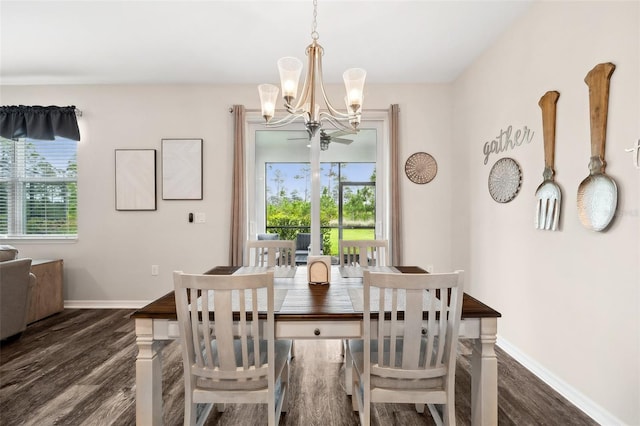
x=306, y=107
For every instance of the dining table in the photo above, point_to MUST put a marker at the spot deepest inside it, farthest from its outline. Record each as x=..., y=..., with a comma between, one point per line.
x=311, y=311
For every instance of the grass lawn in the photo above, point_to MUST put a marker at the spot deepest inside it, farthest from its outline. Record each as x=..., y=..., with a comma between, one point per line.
x=350, y=234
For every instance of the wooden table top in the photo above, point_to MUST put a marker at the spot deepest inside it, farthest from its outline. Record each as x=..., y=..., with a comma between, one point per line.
x=310, y=302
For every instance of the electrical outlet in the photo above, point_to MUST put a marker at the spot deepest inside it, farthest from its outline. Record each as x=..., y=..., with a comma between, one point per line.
x=155, y=270
x=429, y=269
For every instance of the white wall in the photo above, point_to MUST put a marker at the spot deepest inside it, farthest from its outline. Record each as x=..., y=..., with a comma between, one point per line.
x=110, y=264
x=570, y=300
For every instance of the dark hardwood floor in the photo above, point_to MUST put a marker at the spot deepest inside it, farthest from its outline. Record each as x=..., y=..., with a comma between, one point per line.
x=78, y=368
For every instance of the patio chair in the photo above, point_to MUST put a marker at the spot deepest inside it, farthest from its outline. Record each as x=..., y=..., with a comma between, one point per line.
x=303, y=242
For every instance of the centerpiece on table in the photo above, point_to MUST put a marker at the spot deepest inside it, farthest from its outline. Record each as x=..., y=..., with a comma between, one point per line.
x=319, y=270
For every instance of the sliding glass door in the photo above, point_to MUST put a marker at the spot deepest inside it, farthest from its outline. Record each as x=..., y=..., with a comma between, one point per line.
x=352, y=178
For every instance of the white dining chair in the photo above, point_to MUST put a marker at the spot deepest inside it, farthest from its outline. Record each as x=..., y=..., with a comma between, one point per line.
x=363, y=252
x=269, y=253
x=408, y=354
x=229, y=350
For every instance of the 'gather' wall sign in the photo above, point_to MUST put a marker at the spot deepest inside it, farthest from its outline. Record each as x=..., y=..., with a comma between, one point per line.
x=505, y=141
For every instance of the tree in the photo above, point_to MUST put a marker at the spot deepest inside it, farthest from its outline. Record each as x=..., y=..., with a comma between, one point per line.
x=306, y=174
x=278, y=178
x=333, y=179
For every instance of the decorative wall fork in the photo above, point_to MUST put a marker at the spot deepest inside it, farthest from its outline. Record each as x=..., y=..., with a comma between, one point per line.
x=548, y=193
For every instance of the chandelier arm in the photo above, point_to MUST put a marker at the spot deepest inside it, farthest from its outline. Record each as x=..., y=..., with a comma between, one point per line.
x=326, y=117
x=297, y=112
x=336, y=124
x=330, y=107
x=287, y=119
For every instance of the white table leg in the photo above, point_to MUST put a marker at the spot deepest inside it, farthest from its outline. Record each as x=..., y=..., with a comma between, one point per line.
x=148, y=375
x=484, y=375
x=348, y=365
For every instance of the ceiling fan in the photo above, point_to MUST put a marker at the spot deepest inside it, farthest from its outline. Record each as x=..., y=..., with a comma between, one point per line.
x=326, y=138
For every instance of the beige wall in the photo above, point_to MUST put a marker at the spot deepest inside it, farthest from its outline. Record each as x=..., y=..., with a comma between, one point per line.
x=110, y=264
x=571, y=299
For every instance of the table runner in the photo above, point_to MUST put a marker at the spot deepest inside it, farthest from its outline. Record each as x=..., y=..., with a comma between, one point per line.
x=278, y=271
x=278, y=294
x=356, y=271
x=357, y=300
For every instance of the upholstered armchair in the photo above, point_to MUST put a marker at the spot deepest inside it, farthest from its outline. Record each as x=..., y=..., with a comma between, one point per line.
x=16, y=286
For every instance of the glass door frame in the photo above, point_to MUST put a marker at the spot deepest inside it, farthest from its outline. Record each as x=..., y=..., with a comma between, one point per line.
x=372, y=119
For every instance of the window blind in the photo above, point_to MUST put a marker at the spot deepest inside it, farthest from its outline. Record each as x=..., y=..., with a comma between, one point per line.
x=38, y=188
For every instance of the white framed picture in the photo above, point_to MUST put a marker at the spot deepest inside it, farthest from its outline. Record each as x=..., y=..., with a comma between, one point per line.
x=182, y=169
x=135, y=179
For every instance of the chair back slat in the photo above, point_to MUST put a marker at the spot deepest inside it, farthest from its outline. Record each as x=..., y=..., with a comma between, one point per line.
x=255, y=327
x=443, y=331
x=223, y=331
x=412, y=328
x=432, y=326
x=196, y=330
x=242, y=330
x=363, y=252
x=381, y=324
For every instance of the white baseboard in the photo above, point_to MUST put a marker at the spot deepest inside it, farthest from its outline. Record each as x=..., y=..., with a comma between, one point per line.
x=105, y=304
x=590, y=408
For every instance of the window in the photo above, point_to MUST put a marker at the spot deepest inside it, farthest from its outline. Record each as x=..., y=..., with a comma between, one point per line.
x=38, y=188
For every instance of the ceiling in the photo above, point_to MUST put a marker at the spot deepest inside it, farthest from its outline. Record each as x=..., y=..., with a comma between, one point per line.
x=239, y=42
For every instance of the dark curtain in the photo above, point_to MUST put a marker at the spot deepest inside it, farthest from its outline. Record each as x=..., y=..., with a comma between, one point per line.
x=39, y=122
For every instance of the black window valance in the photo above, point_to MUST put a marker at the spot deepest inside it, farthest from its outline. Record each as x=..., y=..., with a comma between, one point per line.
x=39, y=122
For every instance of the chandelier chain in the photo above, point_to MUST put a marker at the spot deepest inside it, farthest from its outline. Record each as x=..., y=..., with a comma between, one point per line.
x=314, y=26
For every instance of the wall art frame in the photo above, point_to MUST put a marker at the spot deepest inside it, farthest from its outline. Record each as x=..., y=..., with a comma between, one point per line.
x=135, y=173
x=182, y=169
